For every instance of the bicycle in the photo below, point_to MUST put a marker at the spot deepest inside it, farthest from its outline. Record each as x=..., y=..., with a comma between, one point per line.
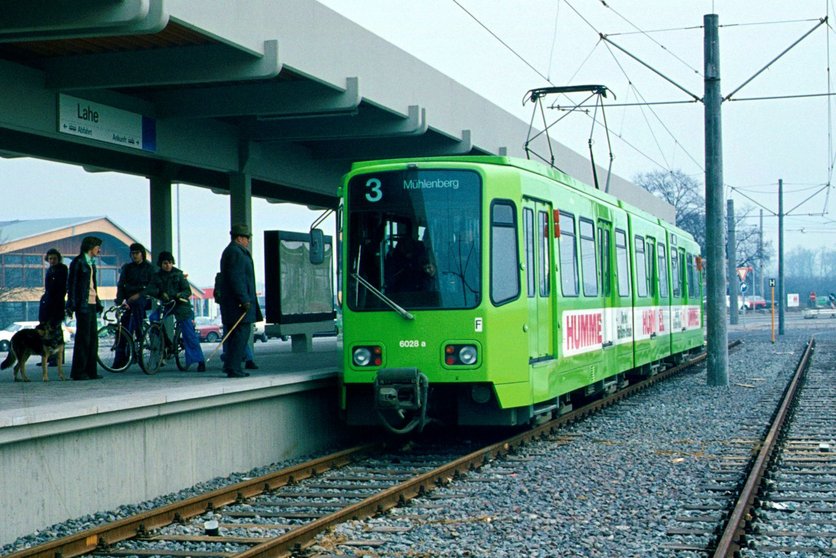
x=117, y=346
x=155, y=345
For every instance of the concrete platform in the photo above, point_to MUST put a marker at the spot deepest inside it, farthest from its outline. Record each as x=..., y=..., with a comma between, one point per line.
x=71, y=448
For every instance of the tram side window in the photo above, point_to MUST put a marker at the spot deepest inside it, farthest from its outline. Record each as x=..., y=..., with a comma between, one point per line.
x=543, y=252
x=505, y=277
x=652, y=276
x=588, y=263
x=641, y=268
x=622, y=263
x=604, y=258
x=568, y=256
x=528, y=226
x=677, y=278
x=662, y=254
x=692, y=277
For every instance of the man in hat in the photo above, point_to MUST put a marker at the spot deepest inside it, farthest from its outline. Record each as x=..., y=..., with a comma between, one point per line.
x=130, y=291
x=83, y=301
x=239, y=305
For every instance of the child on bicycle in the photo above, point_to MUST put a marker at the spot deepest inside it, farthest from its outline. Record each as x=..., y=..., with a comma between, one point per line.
x=170, y=284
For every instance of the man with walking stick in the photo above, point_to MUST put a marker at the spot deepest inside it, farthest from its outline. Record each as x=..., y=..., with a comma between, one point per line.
x=239, y=305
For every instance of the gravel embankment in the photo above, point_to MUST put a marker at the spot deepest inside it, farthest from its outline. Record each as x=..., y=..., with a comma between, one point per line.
x=611, y=487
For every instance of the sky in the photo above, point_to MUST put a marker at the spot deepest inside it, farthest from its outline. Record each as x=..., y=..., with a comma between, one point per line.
x=500, y=50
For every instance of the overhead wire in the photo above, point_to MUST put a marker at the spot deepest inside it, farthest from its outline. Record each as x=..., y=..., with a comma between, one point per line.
x=529, y=65
x=591, y=26
x=641, y=108
x=647, y=35
x=506, y=45
x=554, y=39
x=645, y=103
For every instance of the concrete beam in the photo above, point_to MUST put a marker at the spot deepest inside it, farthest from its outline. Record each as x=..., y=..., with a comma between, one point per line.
x=163, y=66
x=428, y=145
x=381, y=125
x=40, y=20
x=275, y=99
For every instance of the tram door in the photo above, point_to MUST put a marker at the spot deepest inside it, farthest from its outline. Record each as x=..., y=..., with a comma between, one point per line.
x=538, y=266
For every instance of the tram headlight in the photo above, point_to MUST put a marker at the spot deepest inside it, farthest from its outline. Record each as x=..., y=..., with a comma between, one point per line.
x=463, y=355
x=367, y=355
x=468, y=354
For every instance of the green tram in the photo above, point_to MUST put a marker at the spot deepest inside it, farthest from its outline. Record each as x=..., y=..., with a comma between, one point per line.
x=494, y=291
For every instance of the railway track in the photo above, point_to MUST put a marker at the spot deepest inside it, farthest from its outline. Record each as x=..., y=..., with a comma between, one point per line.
x=773, y=492
x=280, y=513
x=790, y=507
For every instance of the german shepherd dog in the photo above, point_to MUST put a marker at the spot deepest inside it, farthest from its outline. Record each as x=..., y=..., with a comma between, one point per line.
x=44, y=341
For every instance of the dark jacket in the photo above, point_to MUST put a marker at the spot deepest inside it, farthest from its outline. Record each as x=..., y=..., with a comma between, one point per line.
x=133, y=278
x=238, y=284
x=78, y=285
x=51, y=309
x=172, y=285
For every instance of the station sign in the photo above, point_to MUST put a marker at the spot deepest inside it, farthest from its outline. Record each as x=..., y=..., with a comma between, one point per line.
x=80, y=117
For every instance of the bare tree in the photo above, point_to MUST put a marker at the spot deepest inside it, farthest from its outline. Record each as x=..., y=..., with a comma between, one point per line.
x=747, y=241
x=683, y=193
x=800, y=262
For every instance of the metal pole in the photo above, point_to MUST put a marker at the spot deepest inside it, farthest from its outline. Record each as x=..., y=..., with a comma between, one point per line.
x=731, y=253
x=782, y=298
x=179, y=260
x=760, y=255
x=716, y=332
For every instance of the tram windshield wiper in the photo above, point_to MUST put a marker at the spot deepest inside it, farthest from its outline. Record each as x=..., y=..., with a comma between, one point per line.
x=385, y=299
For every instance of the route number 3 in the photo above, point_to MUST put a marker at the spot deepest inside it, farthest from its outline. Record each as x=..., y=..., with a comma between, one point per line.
x=375, y=194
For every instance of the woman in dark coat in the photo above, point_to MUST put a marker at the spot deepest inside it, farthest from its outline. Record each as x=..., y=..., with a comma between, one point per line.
x=83, y=301
x=51, y=310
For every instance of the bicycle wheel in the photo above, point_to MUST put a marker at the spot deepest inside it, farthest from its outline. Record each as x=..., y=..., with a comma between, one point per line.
x=179, y=350
x=151, y=349
x=116, y=348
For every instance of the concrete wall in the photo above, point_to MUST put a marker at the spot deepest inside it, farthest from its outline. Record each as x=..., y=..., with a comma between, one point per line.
x=62, y=469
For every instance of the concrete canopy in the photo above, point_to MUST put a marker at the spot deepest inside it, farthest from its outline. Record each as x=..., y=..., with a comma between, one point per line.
x=285, y=91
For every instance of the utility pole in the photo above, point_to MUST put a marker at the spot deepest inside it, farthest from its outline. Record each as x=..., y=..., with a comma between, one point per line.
x=782, y=298
x=717, y=334
x=760, y=255
x=731, y=254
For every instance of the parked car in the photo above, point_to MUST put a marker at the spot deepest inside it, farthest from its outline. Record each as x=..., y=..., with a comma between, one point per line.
x=259, y=333
x=754, y=302
x=208, y=329
x=70, y=326
x=7, y=333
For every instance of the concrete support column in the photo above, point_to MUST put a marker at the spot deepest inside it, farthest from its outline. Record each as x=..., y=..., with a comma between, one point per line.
x=161, y=215
x=240, y=199
x=241, y=208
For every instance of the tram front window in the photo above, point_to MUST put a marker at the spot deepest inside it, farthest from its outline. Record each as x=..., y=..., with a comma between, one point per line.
x=414, y=236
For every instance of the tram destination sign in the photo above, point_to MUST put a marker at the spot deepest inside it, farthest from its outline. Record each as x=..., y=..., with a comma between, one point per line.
x=80, y=117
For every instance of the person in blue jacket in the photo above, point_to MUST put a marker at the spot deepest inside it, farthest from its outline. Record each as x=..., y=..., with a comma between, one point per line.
x=170, y=284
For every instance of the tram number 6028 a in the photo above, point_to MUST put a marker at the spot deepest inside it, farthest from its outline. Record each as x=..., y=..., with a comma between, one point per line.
x=411, y=343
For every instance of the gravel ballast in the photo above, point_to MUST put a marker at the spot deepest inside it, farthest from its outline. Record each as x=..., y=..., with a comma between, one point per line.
x=611, y=485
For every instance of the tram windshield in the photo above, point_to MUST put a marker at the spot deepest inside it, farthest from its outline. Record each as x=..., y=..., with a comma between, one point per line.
x=414, y=237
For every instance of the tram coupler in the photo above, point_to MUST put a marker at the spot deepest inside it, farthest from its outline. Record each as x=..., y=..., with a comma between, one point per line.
x=404, y=392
